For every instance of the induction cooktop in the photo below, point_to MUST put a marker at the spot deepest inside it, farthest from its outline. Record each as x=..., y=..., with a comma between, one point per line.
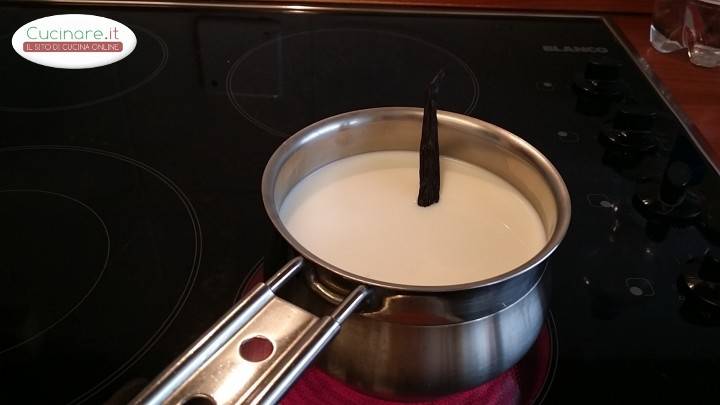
x=130, y=193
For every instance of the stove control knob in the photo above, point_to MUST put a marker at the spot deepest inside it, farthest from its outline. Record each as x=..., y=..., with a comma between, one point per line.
x=703, y=281
x=699, y=289
x=599, y=86
x=631, y=130
x=669, y=201
x=674, y=184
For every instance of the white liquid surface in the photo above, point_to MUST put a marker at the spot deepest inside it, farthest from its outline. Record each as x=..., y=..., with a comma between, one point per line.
x=361, y=215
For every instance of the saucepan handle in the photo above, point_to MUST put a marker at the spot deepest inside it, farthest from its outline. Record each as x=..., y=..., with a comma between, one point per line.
x=254, y=353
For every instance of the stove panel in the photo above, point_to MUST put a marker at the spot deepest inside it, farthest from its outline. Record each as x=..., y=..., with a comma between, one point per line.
x=131, y=192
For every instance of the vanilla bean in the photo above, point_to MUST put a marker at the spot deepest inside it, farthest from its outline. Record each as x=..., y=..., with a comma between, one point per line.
x=429, y=192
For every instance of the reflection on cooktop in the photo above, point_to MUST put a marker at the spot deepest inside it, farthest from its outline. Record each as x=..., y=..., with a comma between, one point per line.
x=290, y=82
x=50, y=230
x=103, y=251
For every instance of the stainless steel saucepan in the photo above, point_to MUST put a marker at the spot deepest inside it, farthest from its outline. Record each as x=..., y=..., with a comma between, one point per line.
x=389, y=340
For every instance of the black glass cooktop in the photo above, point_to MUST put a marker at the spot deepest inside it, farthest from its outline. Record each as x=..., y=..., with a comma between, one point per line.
x=131, y=214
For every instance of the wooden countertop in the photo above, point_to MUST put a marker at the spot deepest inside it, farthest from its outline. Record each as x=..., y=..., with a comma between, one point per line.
x=694, y=89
